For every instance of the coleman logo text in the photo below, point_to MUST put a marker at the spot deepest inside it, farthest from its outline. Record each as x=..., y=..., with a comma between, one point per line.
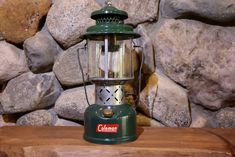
x=107, y=128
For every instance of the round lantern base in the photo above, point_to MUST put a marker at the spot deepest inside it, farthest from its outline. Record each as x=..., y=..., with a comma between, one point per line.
x=110, y=124
x=110, y=140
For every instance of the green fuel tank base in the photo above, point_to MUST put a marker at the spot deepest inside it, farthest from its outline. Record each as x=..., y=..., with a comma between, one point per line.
x=117, y=128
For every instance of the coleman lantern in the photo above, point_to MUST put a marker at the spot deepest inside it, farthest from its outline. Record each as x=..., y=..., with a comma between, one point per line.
x=110, y=120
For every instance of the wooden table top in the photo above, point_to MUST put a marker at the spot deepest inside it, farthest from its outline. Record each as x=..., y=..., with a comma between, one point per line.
x=160, y=142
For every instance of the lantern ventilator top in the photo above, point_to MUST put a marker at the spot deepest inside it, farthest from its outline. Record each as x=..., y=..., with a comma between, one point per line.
x=110, y=21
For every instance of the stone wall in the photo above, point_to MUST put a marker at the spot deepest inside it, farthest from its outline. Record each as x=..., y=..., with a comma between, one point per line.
x=188, y=69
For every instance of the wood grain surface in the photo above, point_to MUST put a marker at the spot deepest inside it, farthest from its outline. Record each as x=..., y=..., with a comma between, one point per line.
x=159, y=142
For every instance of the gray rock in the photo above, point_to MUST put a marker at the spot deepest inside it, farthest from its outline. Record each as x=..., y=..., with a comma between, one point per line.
x=138, y=11
x=41, y=51
x=101, y=2
x=29, y=92
x=165, y=101
x=66, y=67
x=216, y=10
x=148, y=94
x=201, y=118
x=68, y=20
x=201, y=59
x=13, y=62
x=226, y=118
x=147, y=49
x=72, y=103
x=63, y=122
x=38, y=118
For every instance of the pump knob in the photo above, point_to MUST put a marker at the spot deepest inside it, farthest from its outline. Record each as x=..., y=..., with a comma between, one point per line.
x=108, y=112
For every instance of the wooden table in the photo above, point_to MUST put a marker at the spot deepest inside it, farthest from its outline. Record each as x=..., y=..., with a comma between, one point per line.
x=159, y=142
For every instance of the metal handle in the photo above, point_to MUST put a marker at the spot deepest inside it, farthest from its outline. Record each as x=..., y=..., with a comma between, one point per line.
x=140, y=70
x=81, y=69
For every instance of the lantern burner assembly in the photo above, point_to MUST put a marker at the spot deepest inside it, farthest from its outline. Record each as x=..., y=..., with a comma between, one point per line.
x=110, y=120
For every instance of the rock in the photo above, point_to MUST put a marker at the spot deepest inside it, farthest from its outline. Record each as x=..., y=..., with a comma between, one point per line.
x=38, y=118
x=72, y=103
x=165, y=101
x=130, y=97
x=4, y=123
x=1, y=110
x=148, y=94
x=135, y=60
x=142, y=120
x=201, y=59
x=147, y=49
x=68, y=20
x=66, y=67
x=2, y=87
x=1, y=37
x=101, y=2
x=13, y=62
x=1, y=103
x=201, y=118
x=138, y=11
x=207, y=10
x=63, y=122
x=41, y=51
x=226, y=118
x=20, y=19
x=29, y=92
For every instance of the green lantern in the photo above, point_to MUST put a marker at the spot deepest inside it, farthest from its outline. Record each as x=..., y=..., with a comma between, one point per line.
x=110, y=120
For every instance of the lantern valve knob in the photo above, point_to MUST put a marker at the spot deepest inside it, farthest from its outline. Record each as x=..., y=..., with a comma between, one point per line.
x=108, y=112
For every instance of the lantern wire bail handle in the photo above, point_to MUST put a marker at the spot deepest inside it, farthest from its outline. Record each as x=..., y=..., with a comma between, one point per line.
x=80, y=66
x=140, y=72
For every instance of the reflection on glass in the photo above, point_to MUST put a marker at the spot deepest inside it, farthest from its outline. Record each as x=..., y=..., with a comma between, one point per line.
x=110, y=58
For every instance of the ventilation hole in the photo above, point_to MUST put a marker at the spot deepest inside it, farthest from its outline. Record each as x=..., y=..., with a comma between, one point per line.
x=101, y=90
x=116, y=91
x=107, y=90
x=101, y=99
x=108, y=99
x=116, y=99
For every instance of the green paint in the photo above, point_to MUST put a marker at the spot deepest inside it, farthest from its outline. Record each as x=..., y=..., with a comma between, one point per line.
x=124, y=116
x=110, y=21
